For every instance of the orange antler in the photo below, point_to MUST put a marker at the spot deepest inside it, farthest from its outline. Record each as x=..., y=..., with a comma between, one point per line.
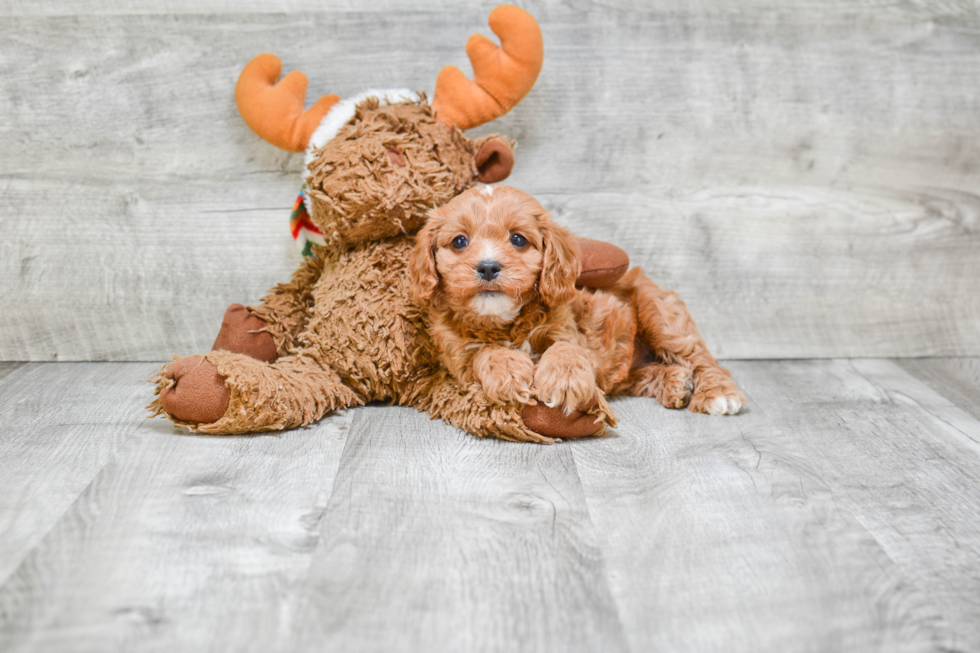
x=273, y=110
x=503, y=75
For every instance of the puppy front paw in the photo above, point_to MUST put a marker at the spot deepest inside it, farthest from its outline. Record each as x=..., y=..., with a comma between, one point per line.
x=565, y=378
x=506, y=375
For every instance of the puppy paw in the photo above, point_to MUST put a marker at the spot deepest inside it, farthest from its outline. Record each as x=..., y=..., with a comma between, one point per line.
x=721, y=397
x=506, y=375
x=565, y=378
x=671, y=385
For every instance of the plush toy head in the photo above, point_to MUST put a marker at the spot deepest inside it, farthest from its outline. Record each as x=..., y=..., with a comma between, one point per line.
x=389, y=165
x=377, y=163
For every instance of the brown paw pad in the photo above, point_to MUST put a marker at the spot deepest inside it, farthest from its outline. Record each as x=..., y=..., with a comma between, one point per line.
x=241, y=333
x=195, y=391
x=554, y=423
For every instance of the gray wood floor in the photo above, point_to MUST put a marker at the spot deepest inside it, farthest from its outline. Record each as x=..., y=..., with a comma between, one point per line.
x=840, y=513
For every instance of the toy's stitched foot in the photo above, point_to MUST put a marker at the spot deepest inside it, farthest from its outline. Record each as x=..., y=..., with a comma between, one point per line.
x=197, y=393
x=241, y=333
x=554, y=423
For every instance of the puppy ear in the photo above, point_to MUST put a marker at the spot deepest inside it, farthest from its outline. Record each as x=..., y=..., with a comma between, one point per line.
x=422, y=262
x=561, y=265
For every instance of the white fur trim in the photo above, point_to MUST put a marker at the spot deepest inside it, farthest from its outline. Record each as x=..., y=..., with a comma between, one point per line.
x=341, y=113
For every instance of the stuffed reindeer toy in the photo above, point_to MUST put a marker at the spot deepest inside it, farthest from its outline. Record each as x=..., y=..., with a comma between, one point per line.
x=346, y=330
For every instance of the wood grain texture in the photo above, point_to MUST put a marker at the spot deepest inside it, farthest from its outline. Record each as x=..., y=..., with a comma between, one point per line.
x=810, y=170
x=956, y=379
x=436, y=541
x=719, y=534
x=59, y=425
x=794, y=272
x=838, y=513
x=182, y=543
x=898, y=457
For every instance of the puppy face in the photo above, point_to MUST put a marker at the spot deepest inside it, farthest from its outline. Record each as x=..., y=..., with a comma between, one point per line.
x=491, y=251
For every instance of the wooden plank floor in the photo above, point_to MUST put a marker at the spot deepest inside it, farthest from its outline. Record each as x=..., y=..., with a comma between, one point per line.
x=839, y=513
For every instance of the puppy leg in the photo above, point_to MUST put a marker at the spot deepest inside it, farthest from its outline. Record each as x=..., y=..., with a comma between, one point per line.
x=671, y=385
x=565, y=377
x=667, y=328
x=608, y=324
x=506, y=375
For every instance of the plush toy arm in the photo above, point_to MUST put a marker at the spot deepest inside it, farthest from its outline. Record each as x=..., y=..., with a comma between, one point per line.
x=602, y=264
x=467, y=408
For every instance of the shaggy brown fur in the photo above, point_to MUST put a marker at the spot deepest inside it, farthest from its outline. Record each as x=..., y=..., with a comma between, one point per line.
x=345, y=328
x=377, y=177
x=498, y=276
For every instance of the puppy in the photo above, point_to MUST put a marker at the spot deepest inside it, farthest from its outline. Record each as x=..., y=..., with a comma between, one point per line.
x=498, y=277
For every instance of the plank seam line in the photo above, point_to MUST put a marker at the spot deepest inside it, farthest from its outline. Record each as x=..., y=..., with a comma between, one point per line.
x=602, y=553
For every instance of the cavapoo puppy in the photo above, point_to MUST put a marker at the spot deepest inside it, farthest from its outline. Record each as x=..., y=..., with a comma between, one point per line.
x=498, y=278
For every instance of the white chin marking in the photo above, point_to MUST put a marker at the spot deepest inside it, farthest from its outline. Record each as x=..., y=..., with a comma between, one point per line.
x=487, y=191
x=495, y=304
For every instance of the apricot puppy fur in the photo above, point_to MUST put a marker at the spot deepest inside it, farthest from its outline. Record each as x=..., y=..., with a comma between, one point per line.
x=497, y=275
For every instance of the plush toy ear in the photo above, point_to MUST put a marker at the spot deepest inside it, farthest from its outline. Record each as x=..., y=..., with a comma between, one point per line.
x=561, y=265
x=422, y=264
x=494, y=160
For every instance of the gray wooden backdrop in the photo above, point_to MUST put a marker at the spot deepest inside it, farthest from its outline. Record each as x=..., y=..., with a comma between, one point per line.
x=805, y=174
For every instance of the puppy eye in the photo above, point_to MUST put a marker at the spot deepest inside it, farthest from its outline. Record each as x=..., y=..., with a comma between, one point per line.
x=459, y=242
x=518, y=241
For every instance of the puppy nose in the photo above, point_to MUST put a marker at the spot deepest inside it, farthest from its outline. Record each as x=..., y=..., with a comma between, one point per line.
x=488, y=270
